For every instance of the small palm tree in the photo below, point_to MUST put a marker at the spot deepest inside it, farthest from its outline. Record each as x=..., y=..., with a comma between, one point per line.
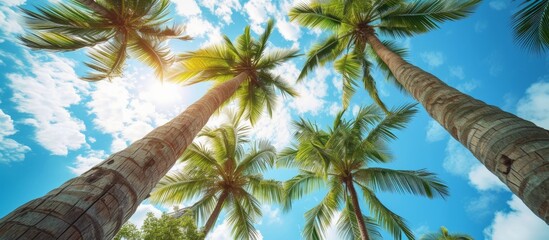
x=531, y=25
x=444, y=235
x=224, y=174
x=113, y=30
x=497, y=138
x=341, y=158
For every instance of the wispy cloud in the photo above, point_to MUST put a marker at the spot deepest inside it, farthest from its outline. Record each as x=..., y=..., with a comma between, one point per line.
x=46, y=91
x=498, y=5
x=534, y=106
x=433, y=59
x=517, y=224
x=10, y=150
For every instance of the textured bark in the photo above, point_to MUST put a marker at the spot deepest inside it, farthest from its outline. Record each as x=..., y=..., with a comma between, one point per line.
x=97, y=203
x=356, y=209
x=515, y=150
x=213, y=218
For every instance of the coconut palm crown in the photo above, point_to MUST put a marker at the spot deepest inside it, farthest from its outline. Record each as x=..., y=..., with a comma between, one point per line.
x=349, y=21
x=248, y=56
x=225, y=173
x=341, y=159
x=112, y=29
x=445, y=235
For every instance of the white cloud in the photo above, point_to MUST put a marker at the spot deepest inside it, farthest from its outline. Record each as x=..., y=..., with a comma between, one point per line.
x=46, y=94
x=534, y=105
x=271, y=215
x=480, y=26
x=12, y=3
x=468, y=86
x=198, y=27
x=223, y=9
x=498, y=5
x=141, y=214
x=457, y=71
x=483, y=180
x=433, y=59
x=335, y=107
x=480, y=207
x=312, y=89
x=130, y=107
x=186, y=8
x=84, y=163
x=355, y=110
x=289, y=30
x=10, y=21
x=435, y=132
x=458, y=160
x=10, y=150
x=258, y=13
x=275, y=128
x=223, y=232
x=518, y=224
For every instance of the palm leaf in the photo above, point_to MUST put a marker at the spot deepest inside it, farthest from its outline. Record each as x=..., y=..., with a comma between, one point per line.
x=531, y=25
x=419, y=182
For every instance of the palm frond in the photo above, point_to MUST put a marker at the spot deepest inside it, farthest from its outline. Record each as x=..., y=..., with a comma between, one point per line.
x=349, y=67
x=419, y=182
x=390, y=221
x=314, y=16
x=300, y=185
x=319, y=54
x=319, y=218
x=423, y=16
x=241, y=222
x=370, y=84
x=107, y=59
x=268, y=191
x=60, y=42
x=151, y=52
x=178, y=187
x=531, y=25
x=260, y=157
x=396, y=119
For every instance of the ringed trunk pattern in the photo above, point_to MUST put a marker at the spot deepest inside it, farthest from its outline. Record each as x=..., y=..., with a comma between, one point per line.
x=213, y=218
x=97, y=203
x=515, y=150
x=356, y=209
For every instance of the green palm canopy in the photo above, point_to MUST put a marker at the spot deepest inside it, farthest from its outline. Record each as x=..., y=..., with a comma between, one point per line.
x=247, y=56
x=531, y=25
x=349, y=21
x=225, y=173
x=341, y=159
x=445, y=235
x=112, y=29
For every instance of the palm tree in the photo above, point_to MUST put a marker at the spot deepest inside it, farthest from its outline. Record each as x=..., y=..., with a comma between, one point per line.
x=95, y=204
x=340, y=158
x=531, y=25
x=113, y=30
x=224, y=174
x=444, y=235
x=512, y=148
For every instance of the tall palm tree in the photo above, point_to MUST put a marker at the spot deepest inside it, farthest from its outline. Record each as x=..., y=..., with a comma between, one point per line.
x=531, y=25
x=224, y=174
x=445, y=235
x=341, y=158
x=95, y=204
x=512, y=148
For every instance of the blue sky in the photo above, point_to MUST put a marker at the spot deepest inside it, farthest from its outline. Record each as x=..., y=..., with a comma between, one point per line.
x=54, y=126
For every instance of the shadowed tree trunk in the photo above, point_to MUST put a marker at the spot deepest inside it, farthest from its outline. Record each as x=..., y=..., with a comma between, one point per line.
x=356, y=209
x=97, y=203
x=212, y=219
x=515, y=150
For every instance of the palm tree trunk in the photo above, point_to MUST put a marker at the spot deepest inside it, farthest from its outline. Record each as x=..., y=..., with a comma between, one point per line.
x=97, y=203
x=515, y=150
x=213, y=218
x=356, y=209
